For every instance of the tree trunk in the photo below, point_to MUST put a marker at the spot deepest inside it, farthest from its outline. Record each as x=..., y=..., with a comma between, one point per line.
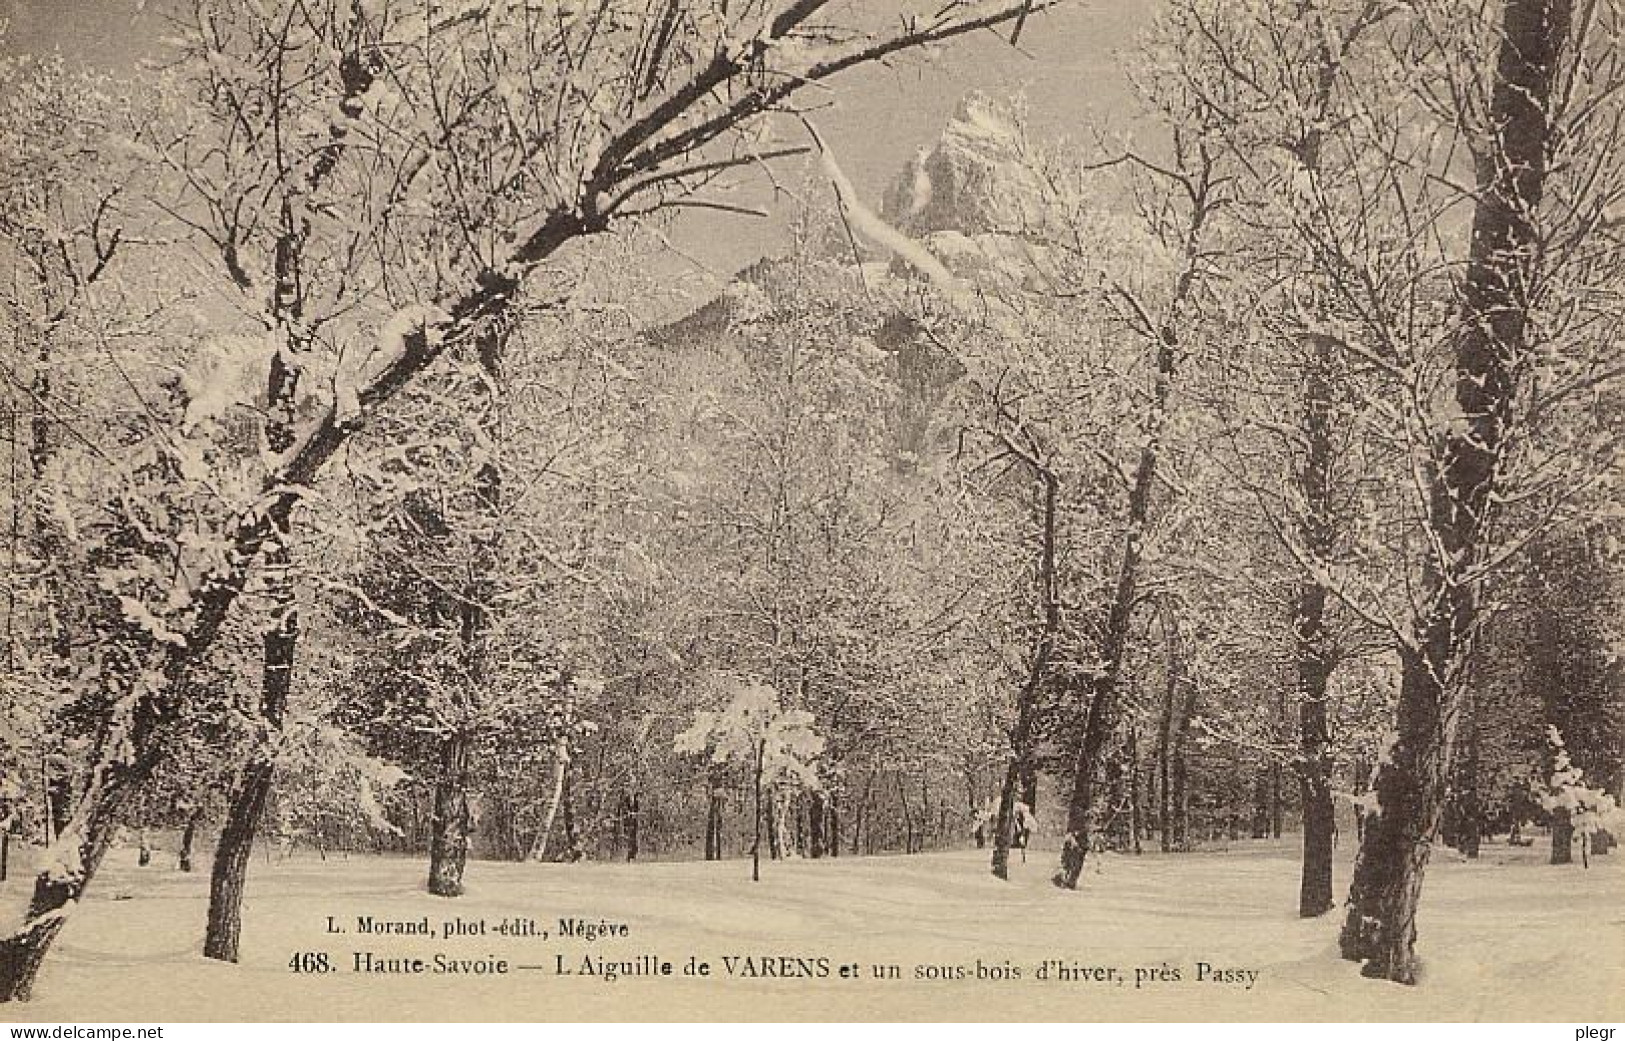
x=1151, y=796
x=1318, y=530
x=1312, y=640
x=1021, y=767
x=1490, y=347
x=925, y=815
x=1380, y=927
x=633, y=818
x=572, y=841
x=1182, y=770
x=1319, y=826
x=58, y=801
x=775, y=825
x=83, y=842
x=1313, y=650
x=1029, y=784
x=756, y=844
x=1005, y=824
x=1261, y=803
x=862, y=814
x=45, y=534
x=815, y=825
x=1135, y=812
x=561, y=764
x=1469, y=807
x=449, y=843
x=908, y=815
x=449, y=826
x=1170, y=836
x=286, y=311
x=1314, y=742
x=1086, y=809
x=1605, y=840
x=228, y=875
x=1562, y=837
x=229, y=872
x=513, y=844
x=188, y=839
x=1277, y=810
x=1361, y=770
x=713, y=814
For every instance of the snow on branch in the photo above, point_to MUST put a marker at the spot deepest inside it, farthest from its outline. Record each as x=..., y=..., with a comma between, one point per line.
x=808, y=64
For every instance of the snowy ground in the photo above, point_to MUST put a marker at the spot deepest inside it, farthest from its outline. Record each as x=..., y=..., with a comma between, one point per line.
x=1506, y=938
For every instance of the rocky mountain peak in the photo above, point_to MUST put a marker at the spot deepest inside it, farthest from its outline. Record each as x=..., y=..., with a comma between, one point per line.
x=973, y=180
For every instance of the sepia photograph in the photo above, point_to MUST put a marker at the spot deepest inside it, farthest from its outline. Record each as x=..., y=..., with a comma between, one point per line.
x=863, y=511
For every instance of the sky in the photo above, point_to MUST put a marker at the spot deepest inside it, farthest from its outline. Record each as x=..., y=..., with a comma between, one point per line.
x=1069, y=65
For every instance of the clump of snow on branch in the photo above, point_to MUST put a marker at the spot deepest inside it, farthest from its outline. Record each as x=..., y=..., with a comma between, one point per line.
x=327, y=779
x=753, y=723
x=356, y=371
x=226, y=372
x=1589, y=809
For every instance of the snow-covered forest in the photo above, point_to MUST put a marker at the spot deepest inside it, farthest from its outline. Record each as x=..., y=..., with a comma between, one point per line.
x=1221, y=505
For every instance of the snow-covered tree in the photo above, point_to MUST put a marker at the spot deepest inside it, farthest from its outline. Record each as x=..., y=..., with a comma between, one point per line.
x=777, y=748
x=1455, y=350
x=492, y=143
x=331, y=789
x=1577, y=810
